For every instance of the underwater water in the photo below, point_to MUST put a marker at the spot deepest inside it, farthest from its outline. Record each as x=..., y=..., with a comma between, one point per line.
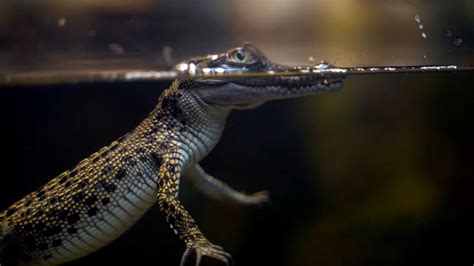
x=377, y=173
x=380, y=172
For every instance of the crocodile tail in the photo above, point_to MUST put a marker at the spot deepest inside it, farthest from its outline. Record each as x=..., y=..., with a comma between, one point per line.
x=2, y=233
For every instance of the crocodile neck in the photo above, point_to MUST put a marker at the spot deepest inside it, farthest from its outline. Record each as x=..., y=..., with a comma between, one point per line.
x=183, y=121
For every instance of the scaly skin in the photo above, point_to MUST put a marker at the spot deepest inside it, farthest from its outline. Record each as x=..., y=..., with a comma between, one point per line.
x=82, y=210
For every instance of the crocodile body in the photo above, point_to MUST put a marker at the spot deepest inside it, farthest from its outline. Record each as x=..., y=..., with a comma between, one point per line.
x=84, y=209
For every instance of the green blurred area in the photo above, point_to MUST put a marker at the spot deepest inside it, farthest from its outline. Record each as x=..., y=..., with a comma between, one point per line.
x=394, y=158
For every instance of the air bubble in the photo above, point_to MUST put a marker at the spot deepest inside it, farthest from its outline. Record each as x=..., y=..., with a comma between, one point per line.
x=457, y=41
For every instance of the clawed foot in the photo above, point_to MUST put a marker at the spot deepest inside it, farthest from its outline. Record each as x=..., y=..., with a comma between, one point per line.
x=207, y=249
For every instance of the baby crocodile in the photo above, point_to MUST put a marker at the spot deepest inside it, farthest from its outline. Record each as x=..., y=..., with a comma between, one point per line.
x=86, y=208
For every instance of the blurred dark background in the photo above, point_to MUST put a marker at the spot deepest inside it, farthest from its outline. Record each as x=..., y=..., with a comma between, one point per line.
x=379, y=173
x=117, y=34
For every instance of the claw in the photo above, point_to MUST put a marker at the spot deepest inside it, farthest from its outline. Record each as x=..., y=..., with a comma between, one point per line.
x=209, y=250
x=185, y=256
x=198, y=257
x=259, y=198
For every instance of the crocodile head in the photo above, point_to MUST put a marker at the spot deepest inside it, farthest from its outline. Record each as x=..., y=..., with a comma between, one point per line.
x=260, y=80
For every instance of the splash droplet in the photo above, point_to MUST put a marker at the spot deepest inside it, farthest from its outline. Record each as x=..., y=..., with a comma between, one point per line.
x=448, y=33
x=417, y=18
x=323, y=65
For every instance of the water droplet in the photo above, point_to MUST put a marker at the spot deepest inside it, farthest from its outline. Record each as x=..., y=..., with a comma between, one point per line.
x=457, y=41
x=311, y=59
x=423, y=35
x=323, y=64
x=417, y=18
x=448, y=33
x=424, y=56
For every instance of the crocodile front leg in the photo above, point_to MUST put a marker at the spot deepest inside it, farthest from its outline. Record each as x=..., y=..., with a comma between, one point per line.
x=218, y=190
x=180, y=220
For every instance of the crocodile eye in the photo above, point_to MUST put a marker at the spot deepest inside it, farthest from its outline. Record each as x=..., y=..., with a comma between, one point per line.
x=240, y=56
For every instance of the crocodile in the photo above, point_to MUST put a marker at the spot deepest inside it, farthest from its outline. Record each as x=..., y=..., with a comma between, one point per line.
x=86, y=208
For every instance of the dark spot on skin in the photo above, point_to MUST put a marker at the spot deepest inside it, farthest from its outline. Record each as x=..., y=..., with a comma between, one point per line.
x=28, y=227
x=10, y=211
x=95, y=159
x=122, y=149
x=78, y=197
x=92, y=211
x=105, y=153
x=105, y=201
x=39, y=213
x=159, y=116
x=52, y=213
x=106, y=170
x=171, y=168
x=57, y=213
x=127, y=159
x=113, y=147
x=90, y=200
x=164, y=144
x=73, y=173
x=61, y=214
x=40, y=194
x=83, y=184
x=72, y=230
x=68, y=184
x=73, y=218
x=63, y=179
x=57, y=242
x=165, y=103
x=47, y=257
x=171, y=220
x=108, y=187
x=160, y=182
x=42, y=246
x=120, y=174
x=140, y=150
x=53, y=230
x=29, y=211
x=53, y=200
x=28, y=202
x=156, y=160
x=170, y=104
